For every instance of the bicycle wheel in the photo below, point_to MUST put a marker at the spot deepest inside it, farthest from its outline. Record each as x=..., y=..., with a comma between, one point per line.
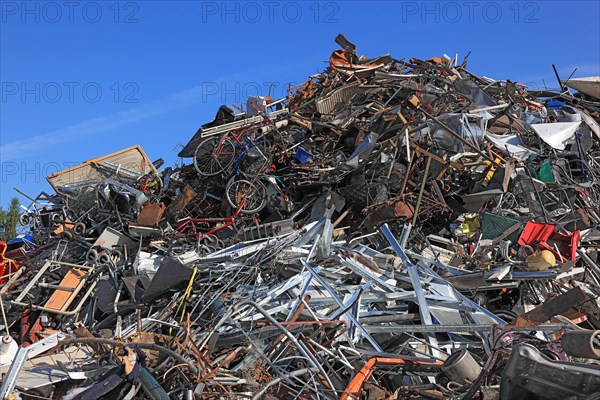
x=213, y=156
x=245, y=196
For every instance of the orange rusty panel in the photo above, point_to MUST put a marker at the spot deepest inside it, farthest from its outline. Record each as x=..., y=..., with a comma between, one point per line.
x=61, y=299
x=151, y=214
x=339, y=58
x=62, y=227
x=178, y=205
x=436, y=60
x=575, y=316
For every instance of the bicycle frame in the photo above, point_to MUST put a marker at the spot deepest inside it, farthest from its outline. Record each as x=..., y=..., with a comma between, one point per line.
x=198, y=235
x=238, y=137
x=261, y=179
x=215, y=156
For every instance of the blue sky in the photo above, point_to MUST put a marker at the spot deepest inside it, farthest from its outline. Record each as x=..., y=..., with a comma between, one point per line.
x=83, y=79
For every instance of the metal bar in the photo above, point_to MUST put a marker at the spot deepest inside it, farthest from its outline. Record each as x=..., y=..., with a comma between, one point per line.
x=416, y=283
x=412, y=273
x=366, y=274
x=33, y=281
x=466, y=328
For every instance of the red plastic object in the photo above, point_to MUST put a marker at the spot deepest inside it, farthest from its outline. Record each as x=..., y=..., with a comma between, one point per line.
x=7, y=266
x=545, y=238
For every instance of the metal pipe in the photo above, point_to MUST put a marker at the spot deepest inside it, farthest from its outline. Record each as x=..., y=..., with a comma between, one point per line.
x=461, y=367
x=4, y=320
x=490, y=108
x=151, y=387
x=589, y=261
x=73, y=265
x=277, y=125
x=57, y=287
x=313, y=247
x=582, y=343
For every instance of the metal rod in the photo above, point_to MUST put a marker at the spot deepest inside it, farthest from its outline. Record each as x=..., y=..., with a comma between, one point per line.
x=418, y=206
x=459, y=328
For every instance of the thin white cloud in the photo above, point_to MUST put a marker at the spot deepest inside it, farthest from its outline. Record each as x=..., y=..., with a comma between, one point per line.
x=34, y=145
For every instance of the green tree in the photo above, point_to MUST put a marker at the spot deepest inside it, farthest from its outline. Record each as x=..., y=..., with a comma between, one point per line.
x=9, y=220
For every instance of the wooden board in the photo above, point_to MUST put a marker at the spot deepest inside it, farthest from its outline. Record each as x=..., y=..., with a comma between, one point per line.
x=62, y=299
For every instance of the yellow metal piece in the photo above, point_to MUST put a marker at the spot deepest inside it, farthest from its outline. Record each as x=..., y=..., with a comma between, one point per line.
x=414, y=100
x=490, y=174
x=456, y=164
x=471, y=225
x=186, y=294
x=404, y=121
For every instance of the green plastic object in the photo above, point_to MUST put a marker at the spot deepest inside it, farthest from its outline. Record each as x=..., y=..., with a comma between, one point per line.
x=545, y=172
x=494, y=225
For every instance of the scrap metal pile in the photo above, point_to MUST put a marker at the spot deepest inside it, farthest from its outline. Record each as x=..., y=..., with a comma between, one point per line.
x=392, y=229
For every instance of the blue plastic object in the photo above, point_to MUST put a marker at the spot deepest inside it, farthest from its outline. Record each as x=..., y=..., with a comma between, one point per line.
x=555, y=104
x=22, y=239
x=303, y=156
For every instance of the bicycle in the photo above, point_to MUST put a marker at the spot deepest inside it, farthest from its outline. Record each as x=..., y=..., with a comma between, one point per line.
x=250, y=196
x=215, y=155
